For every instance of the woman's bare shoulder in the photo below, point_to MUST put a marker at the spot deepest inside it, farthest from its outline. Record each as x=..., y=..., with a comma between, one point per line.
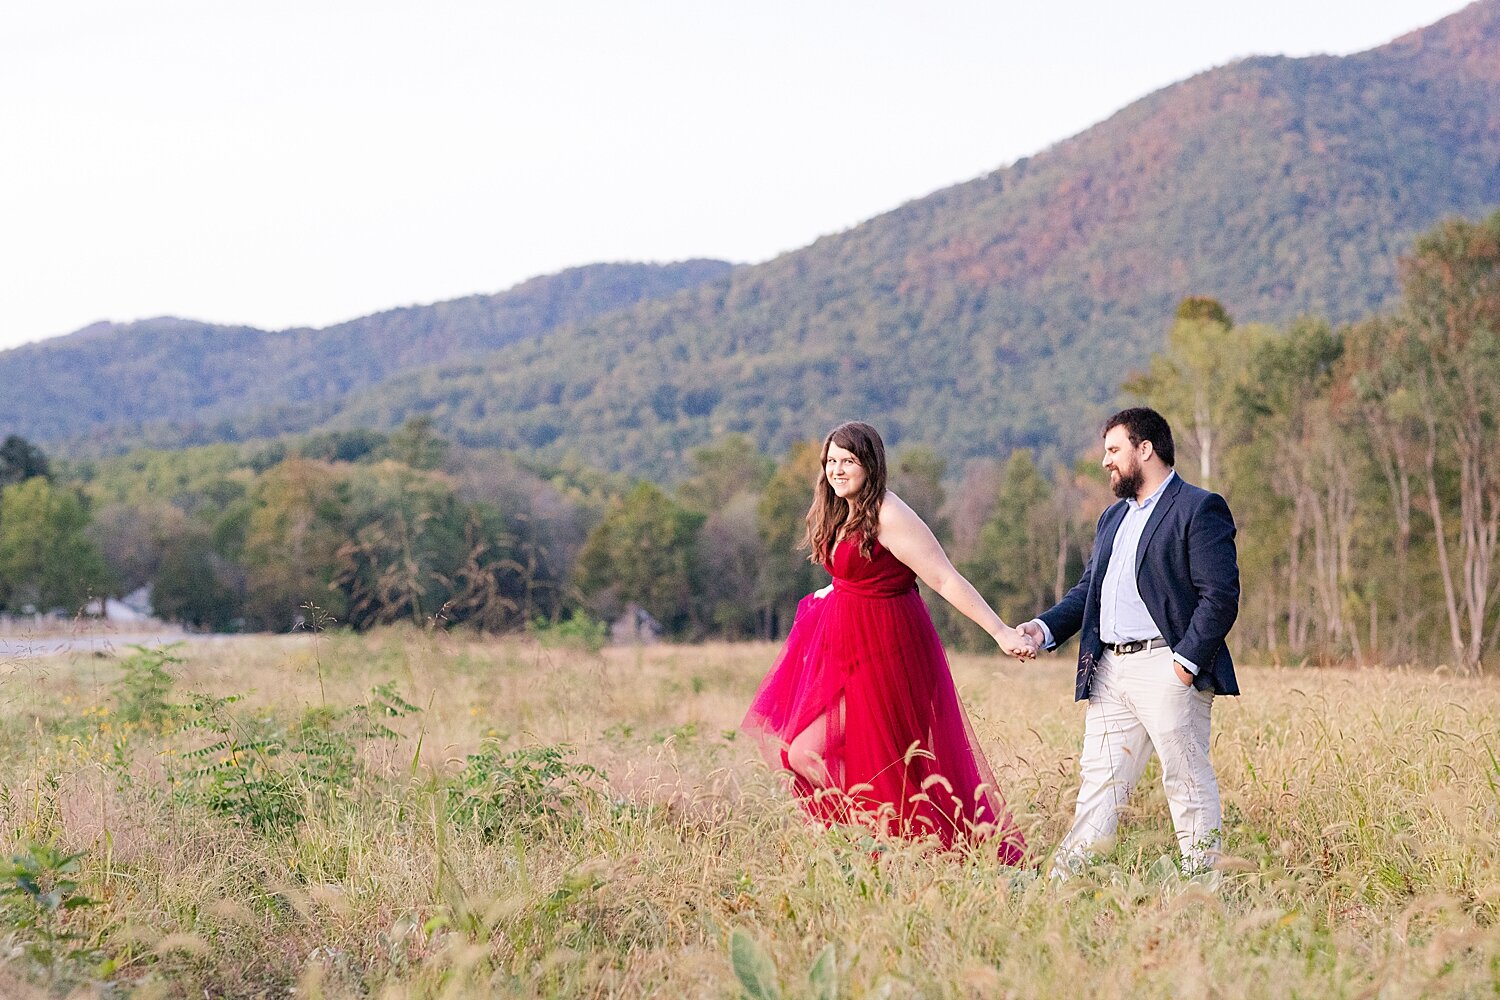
x=896, y=513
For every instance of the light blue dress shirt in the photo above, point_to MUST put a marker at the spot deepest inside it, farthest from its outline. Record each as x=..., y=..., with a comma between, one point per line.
x=1123, y=616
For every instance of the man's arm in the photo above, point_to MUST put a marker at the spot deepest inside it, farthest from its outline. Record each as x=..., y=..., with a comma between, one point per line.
x=1215, y=574
x=1065, y=618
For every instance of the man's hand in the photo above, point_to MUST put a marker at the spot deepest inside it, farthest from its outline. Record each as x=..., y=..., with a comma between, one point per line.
x=1033, y=631
x=1183, y=674
x=1016, y=643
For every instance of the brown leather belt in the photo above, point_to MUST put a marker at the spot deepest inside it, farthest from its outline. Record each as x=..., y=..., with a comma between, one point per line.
x=1139, y=646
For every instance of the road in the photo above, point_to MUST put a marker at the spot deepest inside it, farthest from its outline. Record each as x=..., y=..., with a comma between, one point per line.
x=25, y=647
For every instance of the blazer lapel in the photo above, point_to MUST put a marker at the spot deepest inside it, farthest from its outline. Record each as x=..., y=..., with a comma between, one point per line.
x=1107, y=547
x=1164, y=504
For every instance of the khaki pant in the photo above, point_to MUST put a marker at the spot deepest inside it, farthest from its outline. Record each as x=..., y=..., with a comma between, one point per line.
x=1137, y=703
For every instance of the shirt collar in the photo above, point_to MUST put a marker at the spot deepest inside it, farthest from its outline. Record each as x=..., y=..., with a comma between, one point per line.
x=1143, y=504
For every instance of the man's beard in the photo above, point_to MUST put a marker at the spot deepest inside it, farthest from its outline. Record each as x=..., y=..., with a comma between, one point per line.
x=1127, y=484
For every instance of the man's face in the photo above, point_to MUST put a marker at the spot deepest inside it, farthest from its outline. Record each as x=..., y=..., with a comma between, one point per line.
x=1122, y=460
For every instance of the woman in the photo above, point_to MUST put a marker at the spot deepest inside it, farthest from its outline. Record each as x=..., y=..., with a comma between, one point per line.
x=860, y=706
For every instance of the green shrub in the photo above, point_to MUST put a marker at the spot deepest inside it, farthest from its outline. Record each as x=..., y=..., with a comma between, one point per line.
x=578, y=632
x=39, y=890
x=144, y=684
x=262, y=773
x=526, y=789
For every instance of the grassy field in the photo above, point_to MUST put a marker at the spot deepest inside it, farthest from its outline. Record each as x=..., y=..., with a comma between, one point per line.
x=406, y=815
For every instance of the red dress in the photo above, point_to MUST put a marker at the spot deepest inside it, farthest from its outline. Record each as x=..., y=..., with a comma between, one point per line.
x=866, y=664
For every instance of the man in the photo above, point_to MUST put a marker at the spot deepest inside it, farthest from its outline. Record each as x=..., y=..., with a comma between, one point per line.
x=1157, y=597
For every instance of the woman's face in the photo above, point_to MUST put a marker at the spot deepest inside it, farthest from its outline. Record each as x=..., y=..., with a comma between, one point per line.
x=843, y=472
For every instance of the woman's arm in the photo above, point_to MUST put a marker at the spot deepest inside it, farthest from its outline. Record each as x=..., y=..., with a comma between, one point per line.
x=910, y=540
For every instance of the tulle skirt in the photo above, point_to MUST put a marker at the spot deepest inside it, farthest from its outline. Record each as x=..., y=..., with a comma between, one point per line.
x=898, y=748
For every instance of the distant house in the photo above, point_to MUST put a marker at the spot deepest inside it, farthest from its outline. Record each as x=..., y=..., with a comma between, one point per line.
x=133, y=607
x=635, y=627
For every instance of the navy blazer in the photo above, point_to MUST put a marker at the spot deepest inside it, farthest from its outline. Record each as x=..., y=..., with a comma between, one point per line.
x=1189, y=579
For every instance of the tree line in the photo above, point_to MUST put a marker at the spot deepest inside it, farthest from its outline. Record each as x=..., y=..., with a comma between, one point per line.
x=1362, y=463
x=359, y=528
x=364, y=529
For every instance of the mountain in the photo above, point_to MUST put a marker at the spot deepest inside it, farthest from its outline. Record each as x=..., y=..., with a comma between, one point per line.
x=1006, y=311
x=177, y=381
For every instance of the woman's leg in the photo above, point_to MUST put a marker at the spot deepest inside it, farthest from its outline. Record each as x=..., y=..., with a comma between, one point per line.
x=809, y=753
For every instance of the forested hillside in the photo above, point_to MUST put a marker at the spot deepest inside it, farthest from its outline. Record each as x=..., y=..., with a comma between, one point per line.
x=174, y=381
x=1007, y=311
x=1359, y=460
x=1004, y=312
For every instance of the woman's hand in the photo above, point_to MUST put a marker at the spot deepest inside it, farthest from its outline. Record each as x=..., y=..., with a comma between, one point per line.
x=823, y=591
x=1016, y=643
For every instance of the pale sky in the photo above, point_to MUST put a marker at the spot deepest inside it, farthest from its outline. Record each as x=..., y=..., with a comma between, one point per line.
x=302, y=163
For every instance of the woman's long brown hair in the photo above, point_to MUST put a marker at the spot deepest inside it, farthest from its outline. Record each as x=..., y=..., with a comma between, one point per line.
x=829, y=512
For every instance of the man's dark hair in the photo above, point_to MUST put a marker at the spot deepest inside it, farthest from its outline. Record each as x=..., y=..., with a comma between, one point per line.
x=1144, y=424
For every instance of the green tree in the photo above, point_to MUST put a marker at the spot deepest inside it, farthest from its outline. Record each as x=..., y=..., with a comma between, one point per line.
x=21, y=460
x=344, y=446
x=1080, y=495
x=727, y=479
x=46, y=560
x=1390, y=430
x=722, y=470
x=408, y=536
x=916, y=476
x=545, y=523
x=645, y=552
x=1015, y=563
x=295, y=526
x=417, y=444
x=786, y=575
x=197, y=586
x=1192, y=381
x=732, y=555
x=495, y=588
x=1451, y=342
x=1296, y=490
x=133, y=538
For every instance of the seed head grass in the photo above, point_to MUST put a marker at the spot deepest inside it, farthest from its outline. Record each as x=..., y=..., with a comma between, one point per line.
x=408, y=815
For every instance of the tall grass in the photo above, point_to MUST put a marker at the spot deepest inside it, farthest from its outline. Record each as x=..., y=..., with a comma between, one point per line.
x=406, y=815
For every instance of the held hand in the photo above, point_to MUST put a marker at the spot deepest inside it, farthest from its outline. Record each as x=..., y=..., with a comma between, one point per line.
x=1016, y=643
x=1033, y=631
